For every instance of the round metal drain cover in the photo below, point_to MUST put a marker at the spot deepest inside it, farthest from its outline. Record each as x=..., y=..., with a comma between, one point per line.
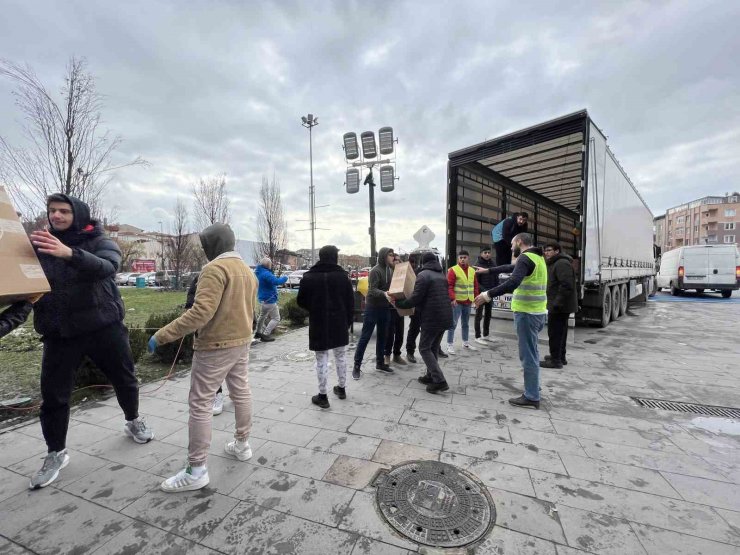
x=299, y=356
x=434, y=503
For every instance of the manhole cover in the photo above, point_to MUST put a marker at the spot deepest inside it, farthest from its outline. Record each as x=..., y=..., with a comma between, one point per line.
x=434, y=503
x=299, y=356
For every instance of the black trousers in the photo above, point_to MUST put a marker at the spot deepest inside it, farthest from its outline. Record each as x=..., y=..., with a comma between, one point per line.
x=483, y=312
x=557, y=333
x=109, y=349
x=414, y=329
x=429, y=345
x=373, y=317
x=394, y=334
x=503, y=252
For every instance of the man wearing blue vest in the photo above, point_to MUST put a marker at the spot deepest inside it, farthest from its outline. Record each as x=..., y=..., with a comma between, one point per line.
x=528, y=282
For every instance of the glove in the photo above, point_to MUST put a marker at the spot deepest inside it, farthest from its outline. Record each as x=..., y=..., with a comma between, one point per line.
x=152, y=345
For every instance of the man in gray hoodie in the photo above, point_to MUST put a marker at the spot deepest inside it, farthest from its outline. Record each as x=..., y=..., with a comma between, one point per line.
x=377, y=312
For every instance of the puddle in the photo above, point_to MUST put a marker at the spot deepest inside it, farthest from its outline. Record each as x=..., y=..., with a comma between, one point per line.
x=718, y=425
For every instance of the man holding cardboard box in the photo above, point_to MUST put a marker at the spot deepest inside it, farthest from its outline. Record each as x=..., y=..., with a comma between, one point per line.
x=82, y=316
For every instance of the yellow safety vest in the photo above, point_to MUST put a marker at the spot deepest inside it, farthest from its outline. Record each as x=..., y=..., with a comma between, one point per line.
x=464, y=284
x=531, y=295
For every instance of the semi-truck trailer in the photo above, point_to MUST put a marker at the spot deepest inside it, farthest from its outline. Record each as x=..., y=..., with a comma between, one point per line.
x=564, y=175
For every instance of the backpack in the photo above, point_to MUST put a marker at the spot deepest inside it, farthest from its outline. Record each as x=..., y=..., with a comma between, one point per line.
x=497, y=233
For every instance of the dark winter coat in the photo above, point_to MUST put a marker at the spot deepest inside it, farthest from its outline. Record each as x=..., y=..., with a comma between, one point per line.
x=83, y=296
x=511, y=229
x=430, y=296
x=562, y=296
x=14, y=316
x=486, y=281
x=326, y=293
x=379, y=281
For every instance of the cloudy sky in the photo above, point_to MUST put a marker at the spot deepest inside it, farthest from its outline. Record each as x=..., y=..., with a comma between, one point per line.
x=203, y=88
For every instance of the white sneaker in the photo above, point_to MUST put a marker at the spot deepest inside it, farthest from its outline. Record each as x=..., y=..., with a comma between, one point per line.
x=185, y=481
x=450, y=349
x=218, y=403
x=469, y=346
x=239, y=449
x=486, y=339
x=481, y=341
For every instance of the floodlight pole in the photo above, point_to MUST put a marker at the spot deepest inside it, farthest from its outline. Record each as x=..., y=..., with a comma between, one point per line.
x=310, y=122
x=371, y=187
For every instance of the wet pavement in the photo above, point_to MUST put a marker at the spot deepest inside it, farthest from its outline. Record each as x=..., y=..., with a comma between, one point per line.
x=591, y=472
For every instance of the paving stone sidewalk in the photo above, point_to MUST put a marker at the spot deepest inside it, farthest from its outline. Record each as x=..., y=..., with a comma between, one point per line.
x=591, y=472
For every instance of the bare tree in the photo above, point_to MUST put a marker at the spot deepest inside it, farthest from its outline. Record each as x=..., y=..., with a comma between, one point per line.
x=272, y=229
x=179, y=247
x=67, y=151
x=130, y=251
x=211, y=201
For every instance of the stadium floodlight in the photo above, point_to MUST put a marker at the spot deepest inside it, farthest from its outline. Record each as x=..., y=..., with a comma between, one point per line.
x=368, y=144
x=387, y=179
x=351, y=149
x=353, y=181
x=385, y=138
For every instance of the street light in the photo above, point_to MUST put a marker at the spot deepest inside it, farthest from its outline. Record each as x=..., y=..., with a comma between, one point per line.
x=353, y=181
x=351, y=151
x=310, y=122
x=161, y=244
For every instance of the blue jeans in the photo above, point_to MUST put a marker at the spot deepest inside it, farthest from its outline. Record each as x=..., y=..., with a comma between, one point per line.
x=528, y=327
x=457, y=311
x=373, y=317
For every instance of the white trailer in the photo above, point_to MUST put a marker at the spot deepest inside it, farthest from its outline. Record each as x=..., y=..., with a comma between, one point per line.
x=552, y=171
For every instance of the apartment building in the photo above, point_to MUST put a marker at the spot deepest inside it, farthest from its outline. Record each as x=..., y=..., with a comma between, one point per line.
x=710, y=220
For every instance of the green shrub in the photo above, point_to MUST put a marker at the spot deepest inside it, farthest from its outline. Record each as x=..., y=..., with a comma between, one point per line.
x=295, y=313
x=166, y=353
x=137, y=338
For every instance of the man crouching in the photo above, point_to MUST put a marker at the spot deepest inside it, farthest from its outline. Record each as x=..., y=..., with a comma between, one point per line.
x=221, y=316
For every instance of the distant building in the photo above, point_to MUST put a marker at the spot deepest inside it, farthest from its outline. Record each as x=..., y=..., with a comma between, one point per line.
x=710, y=220
x=659, y=231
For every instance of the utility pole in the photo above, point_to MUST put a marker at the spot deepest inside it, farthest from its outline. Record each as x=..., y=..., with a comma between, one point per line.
x=370, y=182
x=310, y=122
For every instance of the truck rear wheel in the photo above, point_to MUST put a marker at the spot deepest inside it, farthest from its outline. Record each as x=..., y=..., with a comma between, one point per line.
x=675, y=291
x=616, y=302
x=700, y=291
x=606, y=308
x=624, y=298
x=726, y=293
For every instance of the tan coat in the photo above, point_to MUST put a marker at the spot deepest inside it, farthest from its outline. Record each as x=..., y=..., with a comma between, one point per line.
x=223, y=310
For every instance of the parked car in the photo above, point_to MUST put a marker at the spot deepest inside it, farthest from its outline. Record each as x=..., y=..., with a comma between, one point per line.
x=164, y=278
x=122, y=278
x=294, y=279
x=286, y=274
x=131, y=279
x=700, y=267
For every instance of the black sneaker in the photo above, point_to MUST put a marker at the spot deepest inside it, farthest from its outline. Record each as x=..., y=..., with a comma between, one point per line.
x=411, y=358
x=340, y=392
x=356, y=372
x=522, y=401
x=437, y=387
x=398, y=360
x=550, y=364
x=442, y=354
x=321, y=400
x=383, y=368
x=266, y=338
x=565, y=361
x=425, y=379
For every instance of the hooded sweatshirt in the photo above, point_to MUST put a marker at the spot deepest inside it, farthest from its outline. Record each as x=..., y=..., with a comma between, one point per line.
x=379, y=281
x=562, y=296
x=223, y=310
x=83, y=296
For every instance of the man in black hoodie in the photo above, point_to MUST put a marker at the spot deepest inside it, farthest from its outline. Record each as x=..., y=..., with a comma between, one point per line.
x=485, y=282
x=562, y=300
x=431, y=297
x=81, y=316
x=377, y=312
x=326, y=293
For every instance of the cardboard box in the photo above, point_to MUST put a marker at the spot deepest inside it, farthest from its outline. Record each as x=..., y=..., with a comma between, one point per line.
x=21, y=276
x=402, y=285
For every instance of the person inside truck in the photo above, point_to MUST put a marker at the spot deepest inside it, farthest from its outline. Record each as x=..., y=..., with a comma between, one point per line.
x=504, y=233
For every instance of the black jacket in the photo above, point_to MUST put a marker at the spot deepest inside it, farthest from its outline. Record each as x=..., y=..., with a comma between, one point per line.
x=430, y=296
x=562, y=296
x=326, y=292
x=83, y=296
x=511, y=229
x=14, y=316
x=523, y=268
x=378, y=282
x=486, y=281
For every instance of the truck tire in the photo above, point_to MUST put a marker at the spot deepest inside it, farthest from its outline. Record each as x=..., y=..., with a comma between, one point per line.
x=700, y=291
x=675, y=291
x=726, y=293
x=624, y=298
x=652, y=286
x=606, y=308
x=616, y=303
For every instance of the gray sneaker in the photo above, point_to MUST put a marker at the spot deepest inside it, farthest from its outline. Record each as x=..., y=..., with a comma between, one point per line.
x=139, y=430
x=53, y=463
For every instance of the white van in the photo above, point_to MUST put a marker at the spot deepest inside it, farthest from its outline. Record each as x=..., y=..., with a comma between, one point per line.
x=700, y=267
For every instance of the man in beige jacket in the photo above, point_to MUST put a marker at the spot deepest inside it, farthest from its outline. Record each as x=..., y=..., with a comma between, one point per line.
x=221, y=318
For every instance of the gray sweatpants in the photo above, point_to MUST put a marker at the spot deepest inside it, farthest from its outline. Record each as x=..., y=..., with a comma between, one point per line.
x=322, y=367
x=269, y=318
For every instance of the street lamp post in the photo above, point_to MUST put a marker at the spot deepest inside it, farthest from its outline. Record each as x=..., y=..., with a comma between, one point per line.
x=310, y=122
x=161, y=244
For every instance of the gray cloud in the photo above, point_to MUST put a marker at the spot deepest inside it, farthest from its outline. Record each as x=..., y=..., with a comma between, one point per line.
x=209, y=87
